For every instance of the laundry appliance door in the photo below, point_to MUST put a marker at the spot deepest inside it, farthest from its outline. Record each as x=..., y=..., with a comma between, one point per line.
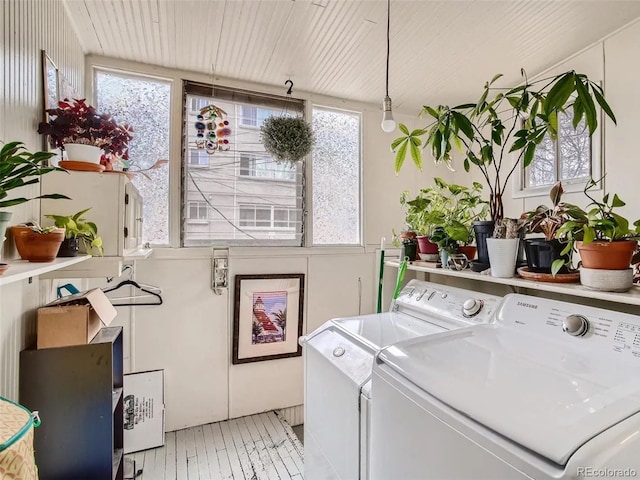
x=335, y=369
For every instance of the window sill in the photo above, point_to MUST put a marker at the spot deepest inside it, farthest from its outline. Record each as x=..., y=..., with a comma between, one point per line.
x=569, y=187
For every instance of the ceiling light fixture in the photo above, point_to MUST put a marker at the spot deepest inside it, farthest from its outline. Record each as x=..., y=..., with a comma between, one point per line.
x=388, y=123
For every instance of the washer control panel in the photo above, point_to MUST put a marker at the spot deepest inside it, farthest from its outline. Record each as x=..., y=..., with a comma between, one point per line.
x=420, y=298
x=578, y=326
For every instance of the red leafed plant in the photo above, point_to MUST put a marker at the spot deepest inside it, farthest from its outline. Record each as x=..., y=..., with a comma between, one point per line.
x=78, y=122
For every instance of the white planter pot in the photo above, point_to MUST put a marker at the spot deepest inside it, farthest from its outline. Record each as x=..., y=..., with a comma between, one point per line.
x=503, y=253
x=607, y=280
x=78, y=152
x=5, y=218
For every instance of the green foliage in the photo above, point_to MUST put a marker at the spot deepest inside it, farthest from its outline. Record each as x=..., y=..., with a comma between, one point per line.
x=445, y=212
x=597, y=222
x=76, y=226
x=288, y=139
x=18, y=168
x=514, y=120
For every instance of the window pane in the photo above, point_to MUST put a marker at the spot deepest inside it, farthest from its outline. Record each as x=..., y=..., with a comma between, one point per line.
x=143, y=103
x=241, y=184
x=542, y=170
x=575, y=149
x=336, y=177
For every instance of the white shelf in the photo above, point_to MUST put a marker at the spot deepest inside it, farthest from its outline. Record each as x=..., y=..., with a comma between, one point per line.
x=632, y=297
x=95, y=267
x=22, y=269
x=138, y=254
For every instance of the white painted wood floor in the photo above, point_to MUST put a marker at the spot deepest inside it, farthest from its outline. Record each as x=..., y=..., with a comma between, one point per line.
x=258, y=447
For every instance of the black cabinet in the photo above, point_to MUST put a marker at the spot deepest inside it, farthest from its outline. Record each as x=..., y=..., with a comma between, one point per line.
x=78, y=392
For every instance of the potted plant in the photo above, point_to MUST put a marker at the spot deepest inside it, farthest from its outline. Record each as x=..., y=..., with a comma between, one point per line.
x=502, y=121
x=77, y=128
x=77, y=230
x=605, y=240
x=450, y=206
x=545, y=255
x=38, y=244
x=18, y=168
x=288, y=139
x=503, y=247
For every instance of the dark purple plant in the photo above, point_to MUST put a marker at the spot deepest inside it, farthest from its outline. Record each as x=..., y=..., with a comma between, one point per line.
x=79, y=122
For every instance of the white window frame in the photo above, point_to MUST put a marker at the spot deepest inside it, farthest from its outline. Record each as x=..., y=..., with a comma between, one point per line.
x=272, y=209
x=198, y=204
x=203, y=158
x=597, y=167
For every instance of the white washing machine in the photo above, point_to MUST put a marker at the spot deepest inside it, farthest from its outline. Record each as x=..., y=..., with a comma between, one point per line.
x=339, y=357
x=550, y=390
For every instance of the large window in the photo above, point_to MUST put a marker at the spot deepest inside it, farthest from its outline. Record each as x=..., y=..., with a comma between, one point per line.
x=336, y=177
x=251, y=199
x=570, y=158
x=143, y=103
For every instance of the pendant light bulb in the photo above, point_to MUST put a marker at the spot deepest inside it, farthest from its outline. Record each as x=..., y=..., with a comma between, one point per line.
x=388, y=123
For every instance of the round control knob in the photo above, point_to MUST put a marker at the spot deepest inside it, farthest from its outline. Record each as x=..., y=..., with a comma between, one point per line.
x=471, y=307
x=575, y=325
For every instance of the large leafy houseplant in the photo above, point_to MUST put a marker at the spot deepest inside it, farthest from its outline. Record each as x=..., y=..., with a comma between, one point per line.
x=513, y=120
x=18, y=168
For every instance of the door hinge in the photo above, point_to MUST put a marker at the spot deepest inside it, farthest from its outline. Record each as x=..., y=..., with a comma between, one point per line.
x=126, y=232
x=126, y=199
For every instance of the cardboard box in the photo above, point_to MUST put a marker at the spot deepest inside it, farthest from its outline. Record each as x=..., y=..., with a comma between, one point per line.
x=143, y=410
x=73, y=320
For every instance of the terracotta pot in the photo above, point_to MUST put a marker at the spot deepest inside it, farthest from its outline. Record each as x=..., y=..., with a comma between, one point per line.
x=469, y=251
x=39, y=247
x=425, y=246
x=604, y=255
x=19, y=239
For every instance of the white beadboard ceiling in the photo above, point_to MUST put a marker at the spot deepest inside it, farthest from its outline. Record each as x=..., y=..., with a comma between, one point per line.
x=441, y=51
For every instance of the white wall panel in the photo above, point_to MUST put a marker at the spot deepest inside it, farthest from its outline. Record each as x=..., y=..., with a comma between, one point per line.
x=187, y=337
x=27, y=28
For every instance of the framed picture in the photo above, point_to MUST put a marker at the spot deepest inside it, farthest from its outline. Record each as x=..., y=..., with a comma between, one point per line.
x=51, y=91
x=267, y=317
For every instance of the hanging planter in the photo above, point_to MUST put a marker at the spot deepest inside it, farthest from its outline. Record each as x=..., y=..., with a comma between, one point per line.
x=287, y=139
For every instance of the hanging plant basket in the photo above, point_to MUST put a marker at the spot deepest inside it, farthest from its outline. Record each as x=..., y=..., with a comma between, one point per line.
x=288, y=139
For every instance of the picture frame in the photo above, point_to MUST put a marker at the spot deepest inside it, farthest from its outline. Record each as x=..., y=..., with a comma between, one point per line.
x=50, y=91
x=268, y=317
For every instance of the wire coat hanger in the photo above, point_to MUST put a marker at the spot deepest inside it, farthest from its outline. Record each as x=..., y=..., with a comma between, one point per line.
x=133, y=283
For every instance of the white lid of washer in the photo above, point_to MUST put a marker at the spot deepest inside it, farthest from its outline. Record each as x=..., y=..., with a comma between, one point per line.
x=550, y=393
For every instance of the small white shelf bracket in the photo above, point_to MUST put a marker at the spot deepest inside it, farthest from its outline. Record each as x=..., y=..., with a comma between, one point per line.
x=219, y=272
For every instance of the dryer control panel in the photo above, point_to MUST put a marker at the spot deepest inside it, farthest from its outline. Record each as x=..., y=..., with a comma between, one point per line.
x=425, y=299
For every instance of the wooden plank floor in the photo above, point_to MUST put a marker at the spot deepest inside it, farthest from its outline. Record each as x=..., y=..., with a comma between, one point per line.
x=258, y=447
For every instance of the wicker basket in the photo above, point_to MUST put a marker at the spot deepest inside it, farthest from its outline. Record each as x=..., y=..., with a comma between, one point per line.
x=17, y=461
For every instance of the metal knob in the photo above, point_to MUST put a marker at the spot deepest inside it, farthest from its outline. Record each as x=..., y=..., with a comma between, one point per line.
x=575, y=325
x=471, y=307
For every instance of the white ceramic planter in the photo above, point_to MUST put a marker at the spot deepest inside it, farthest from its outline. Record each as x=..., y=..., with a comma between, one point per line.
x=78, y=152
x=503, y=253
x=607, y=280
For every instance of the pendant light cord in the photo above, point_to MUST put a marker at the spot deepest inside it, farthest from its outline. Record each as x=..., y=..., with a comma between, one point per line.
x=388, y=42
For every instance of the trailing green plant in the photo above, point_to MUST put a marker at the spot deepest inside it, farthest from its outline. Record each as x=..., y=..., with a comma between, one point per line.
x=76, y=226
x=18, y=168
x=599, y=221
x=453, y=207
x=513, y=120
x=287, y=139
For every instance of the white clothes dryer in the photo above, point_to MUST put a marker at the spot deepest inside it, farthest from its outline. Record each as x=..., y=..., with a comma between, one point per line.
x=551, y=390
x=339, y=356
